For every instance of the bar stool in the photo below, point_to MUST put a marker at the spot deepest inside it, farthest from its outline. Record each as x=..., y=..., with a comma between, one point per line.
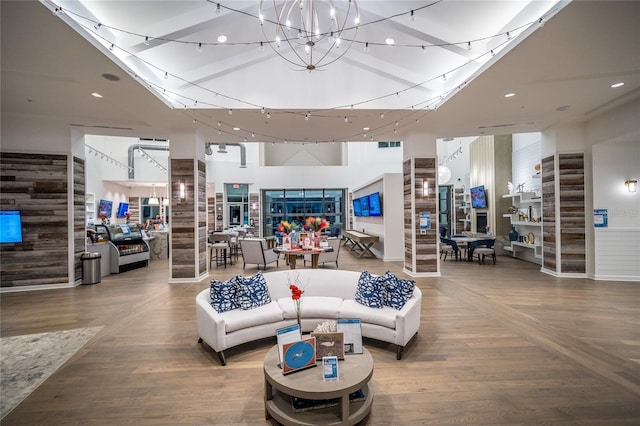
x=220, y=244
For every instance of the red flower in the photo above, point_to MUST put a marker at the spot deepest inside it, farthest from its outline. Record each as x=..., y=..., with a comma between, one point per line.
x=296, y=293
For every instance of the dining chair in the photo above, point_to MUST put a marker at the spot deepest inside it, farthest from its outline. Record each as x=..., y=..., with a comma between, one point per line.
x=220, y=245
x=452, y=244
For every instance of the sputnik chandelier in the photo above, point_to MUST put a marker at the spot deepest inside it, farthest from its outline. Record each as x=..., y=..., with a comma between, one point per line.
x=311, y=34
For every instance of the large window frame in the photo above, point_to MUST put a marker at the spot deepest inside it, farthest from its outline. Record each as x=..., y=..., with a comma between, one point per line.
x=296, y=205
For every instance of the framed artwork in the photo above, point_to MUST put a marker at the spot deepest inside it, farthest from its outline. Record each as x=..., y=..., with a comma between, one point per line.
x=329, y=344
x=299, y=355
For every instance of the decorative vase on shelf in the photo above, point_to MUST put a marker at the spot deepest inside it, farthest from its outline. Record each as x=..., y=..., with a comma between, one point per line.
x=513, y=234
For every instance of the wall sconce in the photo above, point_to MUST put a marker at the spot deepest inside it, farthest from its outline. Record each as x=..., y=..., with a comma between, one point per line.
x=254, y=206
x=632, y=185
x=183, y=196
x=425, y=189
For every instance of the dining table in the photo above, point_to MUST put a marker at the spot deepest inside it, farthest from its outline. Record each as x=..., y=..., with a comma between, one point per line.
x=293, y=253
x=465, y=242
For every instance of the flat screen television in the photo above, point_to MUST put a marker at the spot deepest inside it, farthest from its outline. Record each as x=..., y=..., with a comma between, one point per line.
x=364, y=205
x=122, y=209
x=478, y=197
x=105, y=207
x=356, y=207
x=10, y=226
x=375, y=208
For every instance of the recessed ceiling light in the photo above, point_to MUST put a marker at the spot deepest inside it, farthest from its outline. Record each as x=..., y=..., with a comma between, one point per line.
x=616, y=85
x=96, y=95
x=365, y=128
x=236, y=128
x=222, y=38
x=390, y=41
x=509, y=95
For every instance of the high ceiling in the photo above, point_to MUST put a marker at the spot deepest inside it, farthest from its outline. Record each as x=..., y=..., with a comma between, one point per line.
x=559, y=59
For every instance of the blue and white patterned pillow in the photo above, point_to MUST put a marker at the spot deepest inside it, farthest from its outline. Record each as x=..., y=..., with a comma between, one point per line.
x=398, y=291
x=253, y=291
x=224, y=294
x=370, y=291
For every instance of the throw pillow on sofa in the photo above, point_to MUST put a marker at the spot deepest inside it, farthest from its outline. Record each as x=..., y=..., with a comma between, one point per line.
x=252, y=291
x=398, y=291
x=224, y=294
x=371, y=290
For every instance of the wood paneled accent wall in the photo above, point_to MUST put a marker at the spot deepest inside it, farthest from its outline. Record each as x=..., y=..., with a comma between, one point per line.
x=211, y=213
x=407, y=192
x=420, y=249
x=549, y=214
x=134, y=209
x=79, y=219
x=219, y=206
x=201, y=191
x=254, y=199
x=572, y=213
x=37, y=185
x=183, y=220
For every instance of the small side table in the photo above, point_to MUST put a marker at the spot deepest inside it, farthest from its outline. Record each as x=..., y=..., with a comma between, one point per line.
x=354, y=373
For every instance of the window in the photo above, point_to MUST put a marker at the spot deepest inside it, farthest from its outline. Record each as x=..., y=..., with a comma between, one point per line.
x=296, y=205
x=393, y=144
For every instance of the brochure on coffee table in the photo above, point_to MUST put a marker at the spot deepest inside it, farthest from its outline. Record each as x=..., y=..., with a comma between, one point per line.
x=352, y=330
x=329, y=368
x=285, y=335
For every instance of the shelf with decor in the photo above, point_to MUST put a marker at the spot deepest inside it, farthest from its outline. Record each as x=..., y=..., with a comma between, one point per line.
x=90, y=207
x=462, y=201
x=524, y=216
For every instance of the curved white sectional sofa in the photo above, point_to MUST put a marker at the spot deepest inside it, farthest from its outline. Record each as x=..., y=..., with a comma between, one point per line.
x=329, y=294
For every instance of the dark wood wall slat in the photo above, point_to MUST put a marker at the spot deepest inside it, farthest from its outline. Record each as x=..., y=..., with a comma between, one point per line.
x=37, y=185
x=572, y=213
x=183, y=254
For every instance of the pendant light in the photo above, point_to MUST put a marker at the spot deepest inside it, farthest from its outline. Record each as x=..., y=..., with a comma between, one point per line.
x=165, y=200
x=153, y=198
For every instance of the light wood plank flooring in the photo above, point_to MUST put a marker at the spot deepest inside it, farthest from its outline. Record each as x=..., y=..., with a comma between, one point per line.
x=498, y=345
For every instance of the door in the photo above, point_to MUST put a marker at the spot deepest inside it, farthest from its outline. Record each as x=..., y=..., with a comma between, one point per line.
x=444, y=208
x=236, y=214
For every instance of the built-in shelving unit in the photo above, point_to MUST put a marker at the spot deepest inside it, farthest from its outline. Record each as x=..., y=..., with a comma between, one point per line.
x=462, y=201
x=90, y=207
x=527, y=222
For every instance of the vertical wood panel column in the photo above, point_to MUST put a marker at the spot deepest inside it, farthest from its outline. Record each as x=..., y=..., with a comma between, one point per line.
x=549, y=250
x=201, y=192
x=183, y=219
x=219, y=211
x=134, y=209
x=79, y=225
x=37, y=185
x=421, y=248
x=254, y=199
x=572, y=213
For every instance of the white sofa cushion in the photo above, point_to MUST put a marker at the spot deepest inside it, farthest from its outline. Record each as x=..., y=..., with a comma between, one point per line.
x=239, y=318
x=384, y=316
x=312, y=307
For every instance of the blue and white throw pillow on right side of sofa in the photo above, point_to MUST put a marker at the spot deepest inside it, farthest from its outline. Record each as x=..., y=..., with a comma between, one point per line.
x=371, y=290
x=252, y=291
x=398, y=291
x=224, y=294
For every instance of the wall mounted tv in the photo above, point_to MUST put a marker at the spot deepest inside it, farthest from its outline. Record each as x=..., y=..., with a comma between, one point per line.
x=478, y=197
x=375, y=208
x=10, y=226
x=356, y=207
x=105, y=207
x=364, y=205
x=122, y=209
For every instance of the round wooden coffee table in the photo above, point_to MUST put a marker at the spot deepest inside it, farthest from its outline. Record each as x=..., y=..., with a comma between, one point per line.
x=354, y=374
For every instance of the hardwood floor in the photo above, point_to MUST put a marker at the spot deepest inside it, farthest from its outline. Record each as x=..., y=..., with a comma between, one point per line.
x=499, y=344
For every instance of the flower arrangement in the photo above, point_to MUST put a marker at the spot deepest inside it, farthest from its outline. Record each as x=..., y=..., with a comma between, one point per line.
x=316, y=223
x=285, y=227
x=127, y=216
x=103, y=217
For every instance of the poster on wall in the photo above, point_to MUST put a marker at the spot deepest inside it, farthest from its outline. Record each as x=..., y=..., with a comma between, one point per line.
x=600, y=219
x=425, y=220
